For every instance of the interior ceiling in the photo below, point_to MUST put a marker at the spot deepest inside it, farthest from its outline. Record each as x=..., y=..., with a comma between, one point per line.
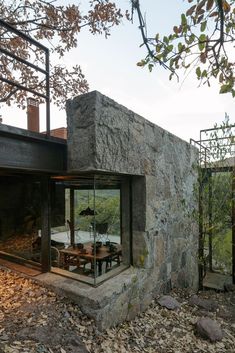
x=91, y=179
x=77, y=181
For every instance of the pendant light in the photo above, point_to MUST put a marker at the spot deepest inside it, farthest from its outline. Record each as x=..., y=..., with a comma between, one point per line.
x=87, y=211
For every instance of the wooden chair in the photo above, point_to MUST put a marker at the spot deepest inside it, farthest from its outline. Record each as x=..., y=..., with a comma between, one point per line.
x=55, y=257
x=116, y=257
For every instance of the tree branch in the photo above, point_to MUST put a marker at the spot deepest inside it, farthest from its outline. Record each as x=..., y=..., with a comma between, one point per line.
x=221, y=15
x=10, y=94
x=142, y=26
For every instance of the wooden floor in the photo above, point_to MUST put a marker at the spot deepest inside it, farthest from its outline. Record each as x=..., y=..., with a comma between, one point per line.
x=216, y=281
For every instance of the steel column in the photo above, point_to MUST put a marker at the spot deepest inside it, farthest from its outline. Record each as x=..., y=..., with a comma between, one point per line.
x=45, y=224
x=72, y=237
x=210, y=219
x=47, y=92
x=233, y=226
x=201, y=232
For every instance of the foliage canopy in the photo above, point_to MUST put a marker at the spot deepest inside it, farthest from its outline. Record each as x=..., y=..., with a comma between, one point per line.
x=58, y=27
x=202, y=41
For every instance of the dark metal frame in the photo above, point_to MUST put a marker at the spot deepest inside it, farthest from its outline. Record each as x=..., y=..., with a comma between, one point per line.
x=206, y=171
x=45, y=71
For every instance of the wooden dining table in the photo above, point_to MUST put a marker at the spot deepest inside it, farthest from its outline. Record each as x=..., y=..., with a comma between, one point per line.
x=74, y=256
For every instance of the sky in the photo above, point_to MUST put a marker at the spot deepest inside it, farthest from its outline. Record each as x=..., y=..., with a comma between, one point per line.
x=110, y=67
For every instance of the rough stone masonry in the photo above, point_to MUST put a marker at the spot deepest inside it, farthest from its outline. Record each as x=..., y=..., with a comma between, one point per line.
x=106, y=137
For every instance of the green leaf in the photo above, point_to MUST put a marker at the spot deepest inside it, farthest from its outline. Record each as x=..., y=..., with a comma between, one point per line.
x=201, y=46
x=165, y=40
x=172, y=61
x=204, y=73
x=150, y=67
x=225, y=89
x=141, y=63
x=183, y=20
x=158, y=48
x=191, y=38
x=201, y=43
x=221, y=77
x=198, y=72
x=180, y=47
x=202, y=38
x=170, y=47
x=203, y=26
x=159, y=56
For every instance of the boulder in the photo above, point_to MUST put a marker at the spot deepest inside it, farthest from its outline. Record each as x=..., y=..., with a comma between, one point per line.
x=205, y=304
x=169, y=302
x=209, y=329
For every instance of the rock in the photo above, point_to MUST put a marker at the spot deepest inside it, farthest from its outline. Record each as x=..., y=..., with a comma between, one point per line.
x=205, y=304
x=169, y=302
x=209, y=329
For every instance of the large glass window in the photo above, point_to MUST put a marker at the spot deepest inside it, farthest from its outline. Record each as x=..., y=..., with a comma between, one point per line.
x=94, y=241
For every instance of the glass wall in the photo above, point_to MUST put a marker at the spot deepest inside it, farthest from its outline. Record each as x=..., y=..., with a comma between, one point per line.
x=95, y=238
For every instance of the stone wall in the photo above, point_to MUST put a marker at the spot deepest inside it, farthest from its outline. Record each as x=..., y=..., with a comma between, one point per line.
x=105, y=136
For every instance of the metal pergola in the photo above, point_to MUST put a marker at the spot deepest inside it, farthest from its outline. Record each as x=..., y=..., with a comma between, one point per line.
x=44, y=176
x=45, y=71
x=216, y=155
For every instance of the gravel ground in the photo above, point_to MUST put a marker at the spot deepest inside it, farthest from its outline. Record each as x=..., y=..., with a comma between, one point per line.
x=34, y=319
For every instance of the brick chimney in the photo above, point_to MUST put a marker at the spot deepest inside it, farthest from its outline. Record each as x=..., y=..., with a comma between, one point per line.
x=33, y=114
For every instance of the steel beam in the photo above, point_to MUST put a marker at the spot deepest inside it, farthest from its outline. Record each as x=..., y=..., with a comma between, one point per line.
x=32, y=152
x=210, y=233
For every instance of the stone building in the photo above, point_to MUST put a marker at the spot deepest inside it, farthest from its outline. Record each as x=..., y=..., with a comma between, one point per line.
x=111, y=148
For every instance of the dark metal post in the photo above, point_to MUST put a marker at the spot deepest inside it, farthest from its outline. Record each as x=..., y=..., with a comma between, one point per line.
x=126, y=221
x=47, y=92
x=72, y=238
x=210, y=218
x=201, y=233
x=45, y=224
x=200, y=210
x=95, y=229
x=233, y=226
